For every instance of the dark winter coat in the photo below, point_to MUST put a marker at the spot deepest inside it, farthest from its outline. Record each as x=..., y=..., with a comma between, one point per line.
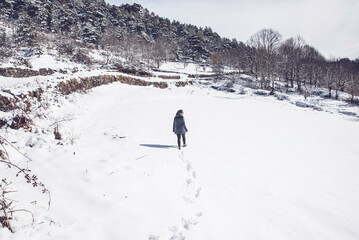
x=179, y=125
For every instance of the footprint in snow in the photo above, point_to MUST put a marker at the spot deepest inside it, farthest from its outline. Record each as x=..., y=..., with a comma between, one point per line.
x=192, y=193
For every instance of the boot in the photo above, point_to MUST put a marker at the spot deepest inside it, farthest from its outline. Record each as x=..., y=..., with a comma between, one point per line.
x=184, y=145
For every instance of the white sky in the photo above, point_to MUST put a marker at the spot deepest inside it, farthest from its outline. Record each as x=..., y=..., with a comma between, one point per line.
x=332, y=26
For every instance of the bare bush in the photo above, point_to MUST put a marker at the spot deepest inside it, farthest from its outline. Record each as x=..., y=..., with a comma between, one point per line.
x=7, y=208
x=66, y=48
x=5, y=205
x=57, y=133
x=20, y=61
x=82, y=56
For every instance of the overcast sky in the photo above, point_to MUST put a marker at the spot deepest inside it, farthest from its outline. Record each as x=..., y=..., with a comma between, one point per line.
x=332, y=26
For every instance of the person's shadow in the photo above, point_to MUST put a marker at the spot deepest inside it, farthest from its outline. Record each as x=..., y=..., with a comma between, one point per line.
x=158, y=146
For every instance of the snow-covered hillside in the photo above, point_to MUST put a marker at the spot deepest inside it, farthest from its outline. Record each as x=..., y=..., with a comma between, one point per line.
x=254, y=168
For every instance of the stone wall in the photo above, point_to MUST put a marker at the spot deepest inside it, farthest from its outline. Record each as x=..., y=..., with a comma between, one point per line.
x=83, y=84
x=23, y=73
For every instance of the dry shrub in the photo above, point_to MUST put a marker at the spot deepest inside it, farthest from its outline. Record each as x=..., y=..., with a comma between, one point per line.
x=7, y=104
x=27, y=106
x=57, y=133
x=3, y=123
x=36, y=94
x=176, y=77
x=8, y=209
x=132, y=71
x=21, y=122
x=183, y=84
x=66, y=48
x=82, y=56
x=3, y=155
x=201, y=76
x=23, y=62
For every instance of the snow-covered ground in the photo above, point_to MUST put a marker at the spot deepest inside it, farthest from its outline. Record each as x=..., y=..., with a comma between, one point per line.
x=185, y=67
x=190, y=68
x=255, y=168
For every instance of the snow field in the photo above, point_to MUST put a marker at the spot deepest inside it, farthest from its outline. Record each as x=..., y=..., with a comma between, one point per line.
x=255, y=168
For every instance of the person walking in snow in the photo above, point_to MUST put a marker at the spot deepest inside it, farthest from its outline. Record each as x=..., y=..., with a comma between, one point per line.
x=179, y=128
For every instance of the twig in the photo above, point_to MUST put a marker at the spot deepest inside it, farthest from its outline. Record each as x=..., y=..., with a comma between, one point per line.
x=5, y=220
x=49, y=203
x=30, y=179
x=7, y=154
x=13, y=165
x=16, y=148
x=4, y=206
x=67, y=118
x=24, y=210
x=141, y=157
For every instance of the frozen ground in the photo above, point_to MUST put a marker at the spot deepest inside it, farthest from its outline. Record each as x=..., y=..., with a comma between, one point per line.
x=255, y=168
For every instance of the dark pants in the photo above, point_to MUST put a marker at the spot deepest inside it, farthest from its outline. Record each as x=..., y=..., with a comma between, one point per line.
x=179, y=139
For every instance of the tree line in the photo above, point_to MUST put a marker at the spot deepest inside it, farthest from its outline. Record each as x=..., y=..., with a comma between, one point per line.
x=273, y=61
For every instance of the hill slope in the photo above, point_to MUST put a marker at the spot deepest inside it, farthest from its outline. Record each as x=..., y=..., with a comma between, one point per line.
x=91, y=21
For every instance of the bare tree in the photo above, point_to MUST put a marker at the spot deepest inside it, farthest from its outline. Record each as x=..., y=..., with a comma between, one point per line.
x=238, y=58
x=329, y=76
x=293, y=59
x=133, y=50
x=65, y=45
x=266, y=43
x=254, y=63
x=340, y=75
x=217, y=65
x=111, y=44
x=162, y=50
x=312, y=66
x=353, y=81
